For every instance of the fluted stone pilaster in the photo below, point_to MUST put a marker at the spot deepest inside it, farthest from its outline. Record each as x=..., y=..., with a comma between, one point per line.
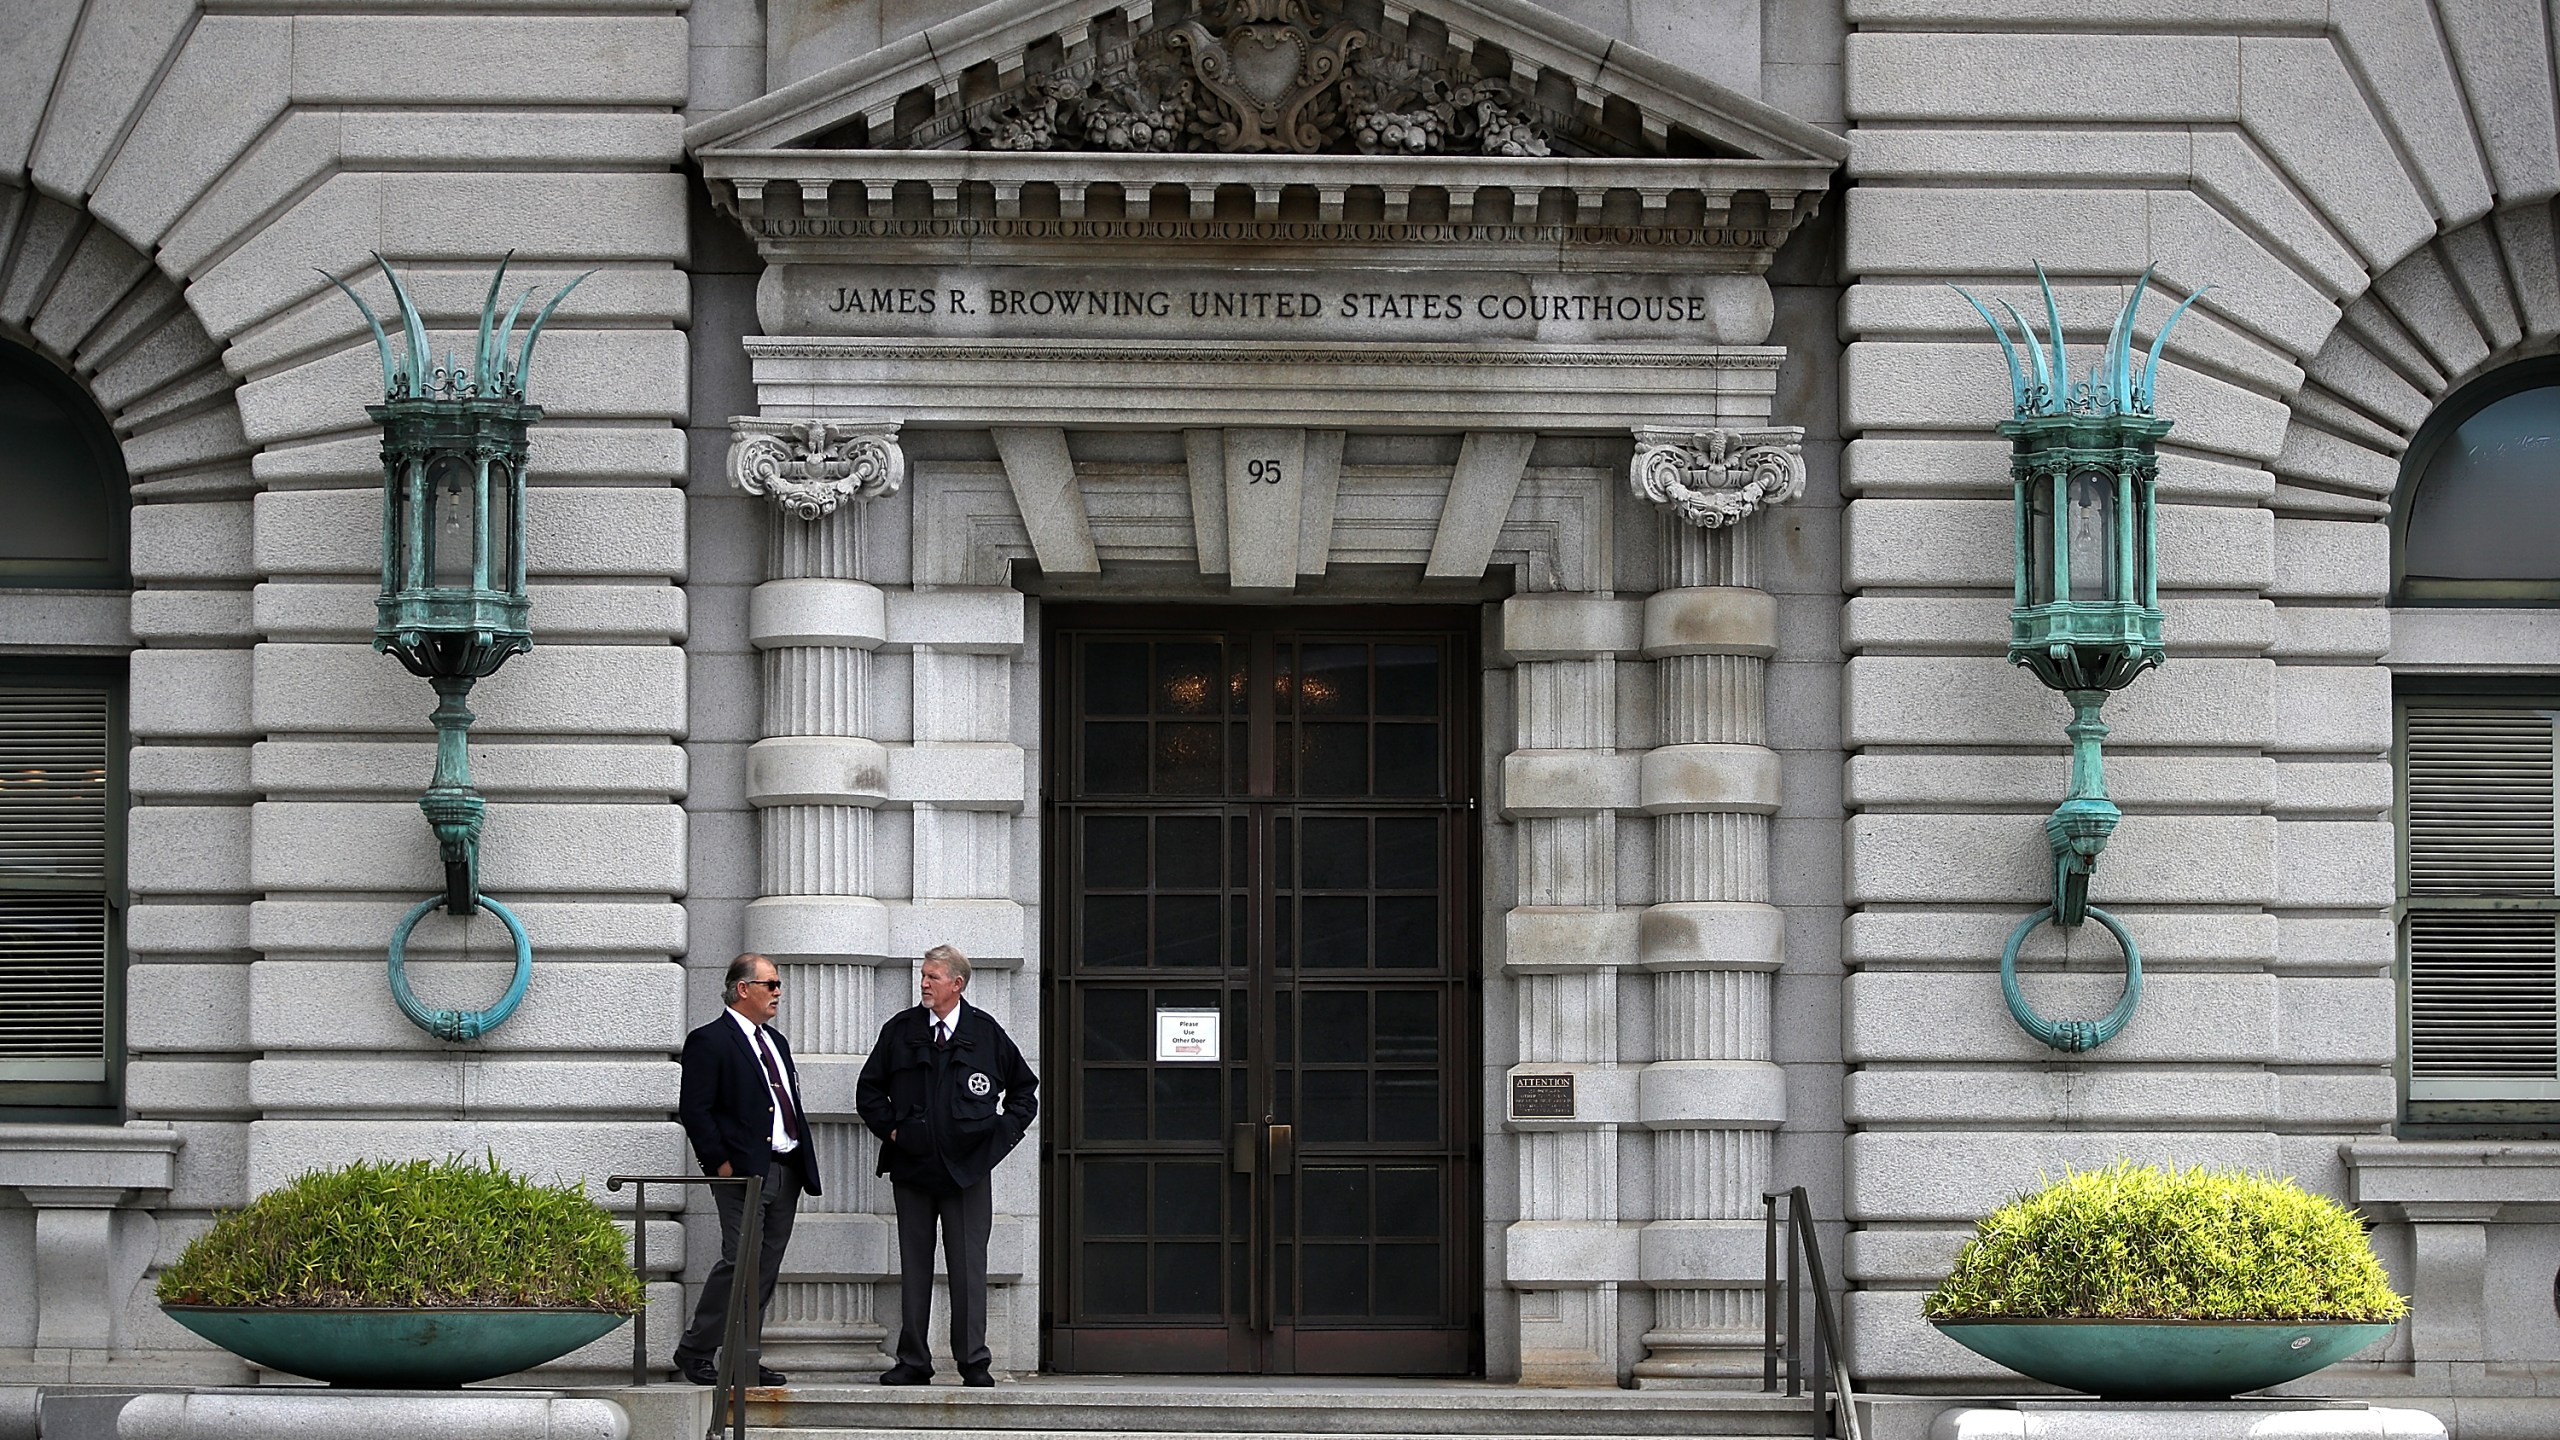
x=1565, y=1255
x=1712, y=1097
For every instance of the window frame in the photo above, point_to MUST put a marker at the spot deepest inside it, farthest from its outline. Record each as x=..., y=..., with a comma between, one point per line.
x=2520, y=1117
x=102, y=1100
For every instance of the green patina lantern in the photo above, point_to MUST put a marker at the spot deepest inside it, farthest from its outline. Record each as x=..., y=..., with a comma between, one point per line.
x=2085, y=614
x=453, y=604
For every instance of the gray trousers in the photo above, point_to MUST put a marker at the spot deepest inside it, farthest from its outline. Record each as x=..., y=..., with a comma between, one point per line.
x=965, y=1220
x=781, y=1206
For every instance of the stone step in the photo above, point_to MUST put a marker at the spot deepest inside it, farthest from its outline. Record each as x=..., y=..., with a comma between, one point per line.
x=1327, y=1410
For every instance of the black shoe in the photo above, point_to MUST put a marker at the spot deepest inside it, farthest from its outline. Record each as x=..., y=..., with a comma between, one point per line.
x=905, y=1375
x=978, y=1379
x=766, y=1375
x=700, y=1372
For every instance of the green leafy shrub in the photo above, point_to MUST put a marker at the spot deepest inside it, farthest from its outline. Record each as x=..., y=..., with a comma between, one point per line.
x=2140, y=1242
x=412, y=1233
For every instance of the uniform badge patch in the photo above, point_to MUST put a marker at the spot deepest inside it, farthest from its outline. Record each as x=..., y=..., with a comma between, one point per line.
x=980, y=1085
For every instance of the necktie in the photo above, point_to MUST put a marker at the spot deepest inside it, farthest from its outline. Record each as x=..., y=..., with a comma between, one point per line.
x=781, y=1091
x=941, y=1035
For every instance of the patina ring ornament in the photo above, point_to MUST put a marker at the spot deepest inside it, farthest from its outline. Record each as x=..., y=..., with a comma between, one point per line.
x=2071, y=1035
x=459, y=1024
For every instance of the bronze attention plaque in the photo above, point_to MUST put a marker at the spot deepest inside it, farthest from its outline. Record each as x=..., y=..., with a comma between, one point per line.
x=1542, y=1097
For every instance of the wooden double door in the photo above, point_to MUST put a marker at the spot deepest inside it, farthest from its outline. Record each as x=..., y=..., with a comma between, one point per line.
x=1261, y=1006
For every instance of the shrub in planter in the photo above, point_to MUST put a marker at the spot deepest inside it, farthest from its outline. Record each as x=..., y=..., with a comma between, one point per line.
x=2183, y=1283
x=405, y=1272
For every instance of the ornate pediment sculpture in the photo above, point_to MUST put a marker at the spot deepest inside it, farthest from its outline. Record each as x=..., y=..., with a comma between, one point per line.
x=1275, y=76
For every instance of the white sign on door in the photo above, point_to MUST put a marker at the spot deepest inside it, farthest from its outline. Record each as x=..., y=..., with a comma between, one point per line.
x=1186, y=1035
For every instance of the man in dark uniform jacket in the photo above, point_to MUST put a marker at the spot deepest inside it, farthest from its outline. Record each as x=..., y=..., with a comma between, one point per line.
x=949, y=1096
x=740, y=1105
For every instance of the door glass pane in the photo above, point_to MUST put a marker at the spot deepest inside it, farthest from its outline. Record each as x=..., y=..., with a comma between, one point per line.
x=1333, y=759
x=1337, y=932
x=1187, y=1103
x=1336, y=1201
x=1408, y=1280
x=1408, y=1200
x=1408, y=759
x=1333, y=1105
x=1337, y=855
x=1114, y=1279
x=1408, y=932
x=1187, y=1199
x=1186, y=1280
x=1115, y=930
x=1114, y=1198
x=1336, y=1027
x=1115, y=1025
x=1409, y=1027
x=1187, y=930
x=1408, y=1105
x=1335, y=1280
x=1115, y=851
x=1115, y=758
x=1115, y=1104
x=1191, y=679
x=1115, y=678
x=1408, y=854
x=1333, y=680
x=1409, y=680
x=1189, y=758
x=1187, y=852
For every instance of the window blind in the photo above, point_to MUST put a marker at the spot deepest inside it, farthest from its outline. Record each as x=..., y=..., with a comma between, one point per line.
x=2484, y=971
x=55, y=929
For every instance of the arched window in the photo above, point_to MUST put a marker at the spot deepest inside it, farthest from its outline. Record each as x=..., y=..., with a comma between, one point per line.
x=2476, y=523
x=63, y=508
x=62, y=480
x=2478, y=513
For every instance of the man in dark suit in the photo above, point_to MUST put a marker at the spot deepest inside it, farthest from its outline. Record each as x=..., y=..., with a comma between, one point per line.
x=740, y=1104
x=949, y=1095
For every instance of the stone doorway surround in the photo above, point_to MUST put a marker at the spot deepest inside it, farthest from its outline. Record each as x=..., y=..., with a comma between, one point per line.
x=993, y=372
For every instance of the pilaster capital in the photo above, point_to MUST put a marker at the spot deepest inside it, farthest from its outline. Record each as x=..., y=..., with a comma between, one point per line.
x=1715, y=478
x=811, y=467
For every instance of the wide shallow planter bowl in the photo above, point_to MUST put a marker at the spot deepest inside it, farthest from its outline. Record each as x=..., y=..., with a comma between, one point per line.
x=396, y=1349
x=2162, y=1359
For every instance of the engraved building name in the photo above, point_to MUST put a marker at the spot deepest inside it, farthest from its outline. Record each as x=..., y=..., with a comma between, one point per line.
x=1044, y=303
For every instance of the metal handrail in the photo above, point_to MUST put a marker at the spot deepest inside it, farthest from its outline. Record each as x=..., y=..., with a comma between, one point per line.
x=1834, y=1395
x=742, y=1338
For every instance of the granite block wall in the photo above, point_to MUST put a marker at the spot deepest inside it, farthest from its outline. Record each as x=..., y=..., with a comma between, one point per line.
x=172, y=178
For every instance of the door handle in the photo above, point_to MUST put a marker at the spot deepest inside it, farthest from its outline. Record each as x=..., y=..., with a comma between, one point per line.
x=1244, y=1142
x=1284, y=1149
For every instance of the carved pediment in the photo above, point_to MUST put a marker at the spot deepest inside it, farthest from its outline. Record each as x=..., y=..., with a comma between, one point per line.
x=1299, y=77
x=1491, y=130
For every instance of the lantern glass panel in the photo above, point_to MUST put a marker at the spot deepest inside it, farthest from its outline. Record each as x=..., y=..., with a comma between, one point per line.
x=2093, y=535
x=451, y=504
x=2040, y=540
x=502, y=526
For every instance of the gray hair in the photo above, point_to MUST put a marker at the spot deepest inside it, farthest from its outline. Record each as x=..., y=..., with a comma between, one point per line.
x=953, y=963
x=742, y=970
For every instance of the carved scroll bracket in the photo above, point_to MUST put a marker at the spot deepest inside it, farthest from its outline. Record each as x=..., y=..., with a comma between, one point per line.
x=1715, y=478
x=811, y=467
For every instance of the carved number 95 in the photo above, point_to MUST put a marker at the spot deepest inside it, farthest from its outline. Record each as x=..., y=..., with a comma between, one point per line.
x=1262, y=472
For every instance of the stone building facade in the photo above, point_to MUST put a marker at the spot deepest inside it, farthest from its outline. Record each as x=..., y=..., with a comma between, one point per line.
x=1463, y=539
